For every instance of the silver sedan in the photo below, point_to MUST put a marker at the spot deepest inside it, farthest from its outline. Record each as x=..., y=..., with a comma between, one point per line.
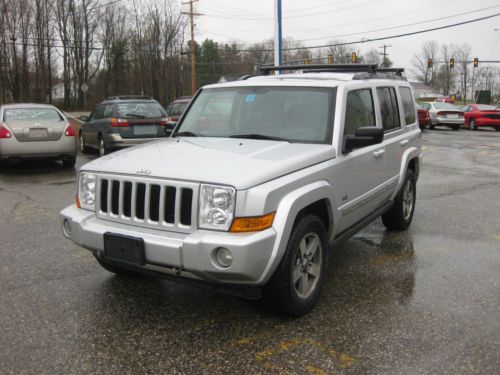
x=444, y=114
x=36, y=131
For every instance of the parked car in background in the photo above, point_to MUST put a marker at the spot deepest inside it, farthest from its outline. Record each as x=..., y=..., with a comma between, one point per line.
x=445, y=99
x=479, y=115
x=36, y=131
x=176, y=109
x=444, y=114
x=122, y=121
x=424, y=119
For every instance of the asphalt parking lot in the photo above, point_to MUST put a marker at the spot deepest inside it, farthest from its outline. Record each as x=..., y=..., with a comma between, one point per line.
x=424, y=301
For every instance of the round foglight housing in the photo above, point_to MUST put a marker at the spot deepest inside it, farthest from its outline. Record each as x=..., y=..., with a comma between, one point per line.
x=216, y=207
x=223, y=257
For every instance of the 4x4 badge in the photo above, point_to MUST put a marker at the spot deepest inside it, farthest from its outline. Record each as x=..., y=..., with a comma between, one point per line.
x=143, y=171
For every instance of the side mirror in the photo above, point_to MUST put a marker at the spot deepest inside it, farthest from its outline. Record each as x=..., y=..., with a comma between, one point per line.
x=365, y=136
x=84, y=118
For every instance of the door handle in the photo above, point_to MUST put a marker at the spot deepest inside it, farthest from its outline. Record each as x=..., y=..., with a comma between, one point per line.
x=404, y=143
x=378, y=153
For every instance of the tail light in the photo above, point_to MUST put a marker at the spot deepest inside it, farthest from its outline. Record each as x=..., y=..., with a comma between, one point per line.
x=460, y=114
x=441, y=113
x=164, y=121
x=119, y=123
x=69, y=131
x=4, y=132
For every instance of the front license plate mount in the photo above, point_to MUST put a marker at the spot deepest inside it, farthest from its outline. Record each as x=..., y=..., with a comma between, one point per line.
x=124, y=248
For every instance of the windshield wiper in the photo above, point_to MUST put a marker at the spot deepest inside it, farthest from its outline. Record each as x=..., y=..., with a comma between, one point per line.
x=134, y=115
x=185, y=134
x=260, y=136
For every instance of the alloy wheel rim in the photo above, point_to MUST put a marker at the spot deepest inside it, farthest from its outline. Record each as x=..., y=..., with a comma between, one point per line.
x=307, y=265
x=408, y=194
x=82, y=144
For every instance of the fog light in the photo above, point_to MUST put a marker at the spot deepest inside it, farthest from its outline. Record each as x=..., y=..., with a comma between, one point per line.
x=67, y=228
x=223, y=257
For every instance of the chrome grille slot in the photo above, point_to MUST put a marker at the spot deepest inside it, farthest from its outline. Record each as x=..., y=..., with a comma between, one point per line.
x=147, y=202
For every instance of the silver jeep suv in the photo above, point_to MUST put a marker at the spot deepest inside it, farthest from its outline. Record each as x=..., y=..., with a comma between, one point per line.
x=259, y=179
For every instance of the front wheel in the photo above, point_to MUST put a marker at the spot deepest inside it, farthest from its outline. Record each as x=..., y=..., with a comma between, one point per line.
x=472, y=124
x=296, y=284
x=400, y=215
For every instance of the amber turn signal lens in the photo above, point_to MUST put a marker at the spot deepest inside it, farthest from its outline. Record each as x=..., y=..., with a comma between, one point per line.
x=77, y=202
x=252, y=224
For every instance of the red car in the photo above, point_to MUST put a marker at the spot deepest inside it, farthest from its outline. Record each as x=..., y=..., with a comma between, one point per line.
x=424, y=119
x=477, y=115
x=176, y=109
x=445, y=99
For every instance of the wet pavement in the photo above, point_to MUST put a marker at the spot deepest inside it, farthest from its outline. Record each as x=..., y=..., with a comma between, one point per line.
x=424, y=301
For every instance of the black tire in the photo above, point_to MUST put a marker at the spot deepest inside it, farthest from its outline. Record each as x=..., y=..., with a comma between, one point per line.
x=455, y=127
x=497, y=128
x=83, y=147
x=117, y=270
x=399, y=217
x=472, y=124
x=103, y=148
x=69, y=163
x=431, y=126
x=282, y=290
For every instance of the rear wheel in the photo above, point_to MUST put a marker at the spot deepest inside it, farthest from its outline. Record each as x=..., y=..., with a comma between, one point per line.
x=400, y=215
x=472, y=124
x=103, y=150
x=455, y=127
x=497, y=129
x=296, y=284
x=431, y=126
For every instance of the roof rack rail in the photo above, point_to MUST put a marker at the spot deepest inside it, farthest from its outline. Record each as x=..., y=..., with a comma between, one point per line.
x=397, y=71
x=309, y=68
x=125, y=97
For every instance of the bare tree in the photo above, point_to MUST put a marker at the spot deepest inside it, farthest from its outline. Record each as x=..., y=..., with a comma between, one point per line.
x=422, y=71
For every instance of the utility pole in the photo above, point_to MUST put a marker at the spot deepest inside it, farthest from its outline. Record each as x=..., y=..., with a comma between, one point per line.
x=277, y=34
x=385, y=54
x=193, y=49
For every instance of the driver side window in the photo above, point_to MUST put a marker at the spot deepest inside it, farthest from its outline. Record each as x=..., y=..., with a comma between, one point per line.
x=359, y=111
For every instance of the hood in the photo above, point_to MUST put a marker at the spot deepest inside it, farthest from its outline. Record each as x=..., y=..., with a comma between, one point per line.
x=241, y=163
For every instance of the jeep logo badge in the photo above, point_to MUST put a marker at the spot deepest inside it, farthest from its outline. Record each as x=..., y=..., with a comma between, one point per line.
x=143, y=171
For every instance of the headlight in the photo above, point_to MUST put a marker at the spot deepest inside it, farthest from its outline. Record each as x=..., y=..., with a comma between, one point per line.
x=87, y=190
x=216, y=207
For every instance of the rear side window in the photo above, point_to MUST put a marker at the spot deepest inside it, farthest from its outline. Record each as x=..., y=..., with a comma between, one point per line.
x=108, y=111
x=388, y=108
x=359, y=111
x=408, y=107
x=98, y=113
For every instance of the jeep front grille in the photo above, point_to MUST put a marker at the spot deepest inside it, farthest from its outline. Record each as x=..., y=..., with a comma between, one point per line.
x=147, y=202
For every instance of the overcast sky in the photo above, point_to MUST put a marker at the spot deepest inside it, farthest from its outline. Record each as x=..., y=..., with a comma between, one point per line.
x=316, y=22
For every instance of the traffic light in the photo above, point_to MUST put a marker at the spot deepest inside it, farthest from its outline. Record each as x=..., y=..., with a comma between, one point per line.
x=330, y=58
x=452, y=63
x=353, y=57
x=429, y=63
x=476, y=62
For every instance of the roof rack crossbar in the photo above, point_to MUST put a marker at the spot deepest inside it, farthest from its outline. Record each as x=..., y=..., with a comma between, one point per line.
x=398, y=71
x=310, y=68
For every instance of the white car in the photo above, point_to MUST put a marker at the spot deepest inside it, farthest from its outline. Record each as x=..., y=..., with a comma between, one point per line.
x=36, y=131
x=260, y=178
x=444, y=114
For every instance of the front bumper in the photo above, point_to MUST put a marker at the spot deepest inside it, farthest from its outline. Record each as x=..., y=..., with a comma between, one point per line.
x=185, y=255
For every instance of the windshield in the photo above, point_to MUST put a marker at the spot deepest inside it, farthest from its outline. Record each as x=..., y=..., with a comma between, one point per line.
x=38, y=114
x=295, y=114
x=139, y=110
x=485, y=107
